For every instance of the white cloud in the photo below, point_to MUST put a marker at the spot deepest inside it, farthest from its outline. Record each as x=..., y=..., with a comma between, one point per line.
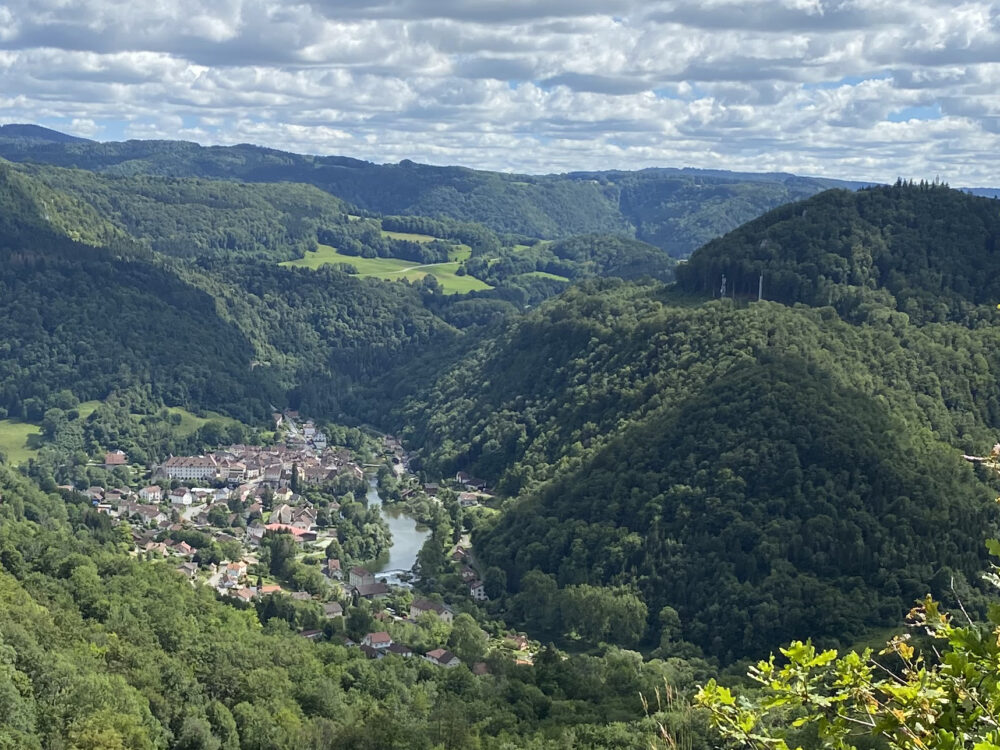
x=867, y=89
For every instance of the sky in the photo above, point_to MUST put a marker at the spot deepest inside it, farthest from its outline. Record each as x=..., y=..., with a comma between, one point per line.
x=867, y=89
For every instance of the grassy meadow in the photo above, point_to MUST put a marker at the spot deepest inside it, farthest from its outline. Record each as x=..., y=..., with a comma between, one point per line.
x=392, y=269
x=17, y=439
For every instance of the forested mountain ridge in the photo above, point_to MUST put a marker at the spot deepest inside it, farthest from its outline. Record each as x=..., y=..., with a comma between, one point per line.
x=929, y=251
x=733, y=474
x=89, y=309
x=192, y=217
x=675, y=209
x=626, y=424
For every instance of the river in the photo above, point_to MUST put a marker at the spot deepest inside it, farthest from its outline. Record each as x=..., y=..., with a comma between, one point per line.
x=407, y=538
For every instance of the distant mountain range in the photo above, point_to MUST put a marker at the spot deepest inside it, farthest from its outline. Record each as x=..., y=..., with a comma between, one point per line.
x=38, y=134
x=678, y=210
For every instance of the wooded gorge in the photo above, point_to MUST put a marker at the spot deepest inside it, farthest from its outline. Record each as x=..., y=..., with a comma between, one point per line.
x=682, y=481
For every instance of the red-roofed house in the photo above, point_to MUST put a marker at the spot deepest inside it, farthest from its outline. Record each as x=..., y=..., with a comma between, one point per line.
x=115, y=458
x=380, y=639
x=442, y=658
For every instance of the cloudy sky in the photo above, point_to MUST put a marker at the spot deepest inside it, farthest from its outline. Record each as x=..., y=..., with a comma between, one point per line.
x=867, y=89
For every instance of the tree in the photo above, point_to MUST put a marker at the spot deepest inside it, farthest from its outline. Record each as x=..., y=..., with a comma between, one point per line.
x=282, y=548
x=949, y=698
x=495, y=582
x=467, y=639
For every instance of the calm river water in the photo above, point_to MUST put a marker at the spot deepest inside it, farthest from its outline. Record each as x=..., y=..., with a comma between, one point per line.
x=407, y=537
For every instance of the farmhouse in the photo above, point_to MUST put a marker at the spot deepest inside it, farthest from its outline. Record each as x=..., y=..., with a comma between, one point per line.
x=442, y=658
x=420, y=606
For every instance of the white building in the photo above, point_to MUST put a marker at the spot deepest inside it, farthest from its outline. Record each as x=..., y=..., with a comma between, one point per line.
x=190, y=467
x=151, y=494
x=477, y=591
x=181, y=496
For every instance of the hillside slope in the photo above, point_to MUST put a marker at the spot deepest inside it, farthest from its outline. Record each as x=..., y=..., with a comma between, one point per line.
x=932, y=252
x=675, y=209
x=87, y=308
x=639, y=434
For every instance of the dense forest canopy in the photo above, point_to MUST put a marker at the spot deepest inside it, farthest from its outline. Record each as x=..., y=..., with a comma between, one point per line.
x=676, y=210
x=611, y=407
x=682, y=482
x=932, y=251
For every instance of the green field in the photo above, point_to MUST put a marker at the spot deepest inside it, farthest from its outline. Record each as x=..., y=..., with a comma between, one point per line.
x=190, y=423
x=408, y=236
x=86, y=408
x=16, y=437
x=392, y=269
x=20, y=441
x=325, y=255
x=545, y=275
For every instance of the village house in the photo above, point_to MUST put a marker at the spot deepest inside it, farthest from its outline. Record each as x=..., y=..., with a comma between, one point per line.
x=190, y=569
x=151, y=494
x=236, y=471
x=114, y=459
x=202, y=495
x=157, y=548
x=470, y=482
x=245, y=594
x=303, y=518
x=148, y=514
x=115, y=497
x=300, y=535
x=518, y=642
x=273, y=472
x=477, y=591
x=468, y=499
x=380, y=639
x=421, y=606
x=255, y=532
x=358, y=576
x=333, y=609
x=181, y=496
x=400, y=650
x=282, y=514
x=442, y=658
x=235, y=571
x=333, y=570
x=377, y=590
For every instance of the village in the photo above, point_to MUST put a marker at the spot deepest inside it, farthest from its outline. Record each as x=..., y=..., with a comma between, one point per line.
x=215, y=514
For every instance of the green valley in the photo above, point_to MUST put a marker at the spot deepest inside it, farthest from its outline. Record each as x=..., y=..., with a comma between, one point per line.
x=626, y=481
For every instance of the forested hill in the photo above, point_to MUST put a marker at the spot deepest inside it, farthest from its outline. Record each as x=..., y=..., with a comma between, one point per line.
x=927, y=250
x=655, y=445
x=87, y=308
x=675, y=209
x=33, y=134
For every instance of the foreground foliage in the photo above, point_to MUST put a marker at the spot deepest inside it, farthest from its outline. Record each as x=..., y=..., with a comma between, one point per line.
x=943, y=692
x=100, y=650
